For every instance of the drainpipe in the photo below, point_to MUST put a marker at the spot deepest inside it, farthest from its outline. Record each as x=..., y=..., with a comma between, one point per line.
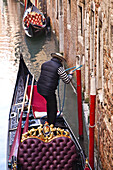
x=79, y=96
x=92, y=121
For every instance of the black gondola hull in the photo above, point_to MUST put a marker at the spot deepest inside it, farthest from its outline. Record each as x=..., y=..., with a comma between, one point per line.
x=14, y=116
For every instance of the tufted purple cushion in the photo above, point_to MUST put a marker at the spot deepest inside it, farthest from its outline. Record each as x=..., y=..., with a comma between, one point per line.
x=59, y=154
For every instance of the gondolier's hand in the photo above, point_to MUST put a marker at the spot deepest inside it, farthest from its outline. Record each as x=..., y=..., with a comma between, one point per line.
x=71, y=73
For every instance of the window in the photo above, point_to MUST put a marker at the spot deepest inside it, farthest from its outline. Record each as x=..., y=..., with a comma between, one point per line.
x=61, y=12
x=112, y=34
x=68, y=14
x=57, y=9
x=100, y=56
x=92, y=38
x=80, y=22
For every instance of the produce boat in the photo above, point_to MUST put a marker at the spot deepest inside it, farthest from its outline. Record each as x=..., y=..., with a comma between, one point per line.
x=34, y=21
x=32, y=142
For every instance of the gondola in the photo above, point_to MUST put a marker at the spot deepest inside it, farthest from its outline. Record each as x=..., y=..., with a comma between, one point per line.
x=32, y=142
x=34, y=21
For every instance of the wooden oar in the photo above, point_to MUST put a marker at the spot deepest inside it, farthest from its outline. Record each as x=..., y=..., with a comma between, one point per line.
x=27, y=119
x=16, y=141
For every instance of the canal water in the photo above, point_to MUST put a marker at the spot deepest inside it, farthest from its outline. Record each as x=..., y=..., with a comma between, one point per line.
x=35, y=52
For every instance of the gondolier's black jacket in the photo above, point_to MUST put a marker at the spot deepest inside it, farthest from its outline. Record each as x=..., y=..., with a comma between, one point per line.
x=48, y=80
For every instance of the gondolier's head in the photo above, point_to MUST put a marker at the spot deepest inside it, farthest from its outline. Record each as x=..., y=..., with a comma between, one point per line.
x=59, y=56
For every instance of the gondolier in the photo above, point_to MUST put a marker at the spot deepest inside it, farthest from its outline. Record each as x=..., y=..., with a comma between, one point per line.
x=51, y=72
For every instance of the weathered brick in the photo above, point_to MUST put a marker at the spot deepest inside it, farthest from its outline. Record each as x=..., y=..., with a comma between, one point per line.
x=74, y=44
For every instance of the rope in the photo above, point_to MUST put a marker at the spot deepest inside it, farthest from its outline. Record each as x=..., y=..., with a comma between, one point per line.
x=77, y=68
x=70, y=68
x=61, y=107
x=73, y=67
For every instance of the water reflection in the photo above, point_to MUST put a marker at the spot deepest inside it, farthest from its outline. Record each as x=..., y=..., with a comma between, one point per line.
x=35, y=45
x=12, y=40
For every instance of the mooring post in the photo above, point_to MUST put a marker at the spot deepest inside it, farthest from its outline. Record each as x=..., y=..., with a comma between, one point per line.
x=79, y=96
x=92, y=121
x=36, y=3
x=25, y=4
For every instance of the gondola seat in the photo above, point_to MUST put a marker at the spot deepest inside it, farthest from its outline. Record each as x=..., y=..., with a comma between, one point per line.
x=58, y=153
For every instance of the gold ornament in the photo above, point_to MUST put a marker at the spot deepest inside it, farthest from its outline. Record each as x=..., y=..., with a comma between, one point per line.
x=46, y=133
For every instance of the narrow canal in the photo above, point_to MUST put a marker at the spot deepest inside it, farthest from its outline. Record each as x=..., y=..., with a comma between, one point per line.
x=35, y=52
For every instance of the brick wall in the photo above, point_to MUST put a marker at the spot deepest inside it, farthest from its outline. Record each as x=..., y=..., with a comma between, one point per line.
x=88, y=32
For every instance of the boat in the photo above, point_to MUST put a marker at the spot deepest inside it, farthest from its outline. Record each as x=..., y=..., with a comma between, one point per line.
x=32, y=142
x=34, y=21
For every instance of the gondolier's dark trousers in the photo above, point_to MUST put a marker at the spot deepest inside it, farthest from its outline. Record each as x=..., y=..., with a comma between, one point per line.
x=51, y=108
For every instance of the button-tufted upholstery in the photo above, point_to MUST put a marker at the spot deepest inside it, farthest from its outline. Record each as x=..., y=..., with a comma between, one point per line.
x=58, y=154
